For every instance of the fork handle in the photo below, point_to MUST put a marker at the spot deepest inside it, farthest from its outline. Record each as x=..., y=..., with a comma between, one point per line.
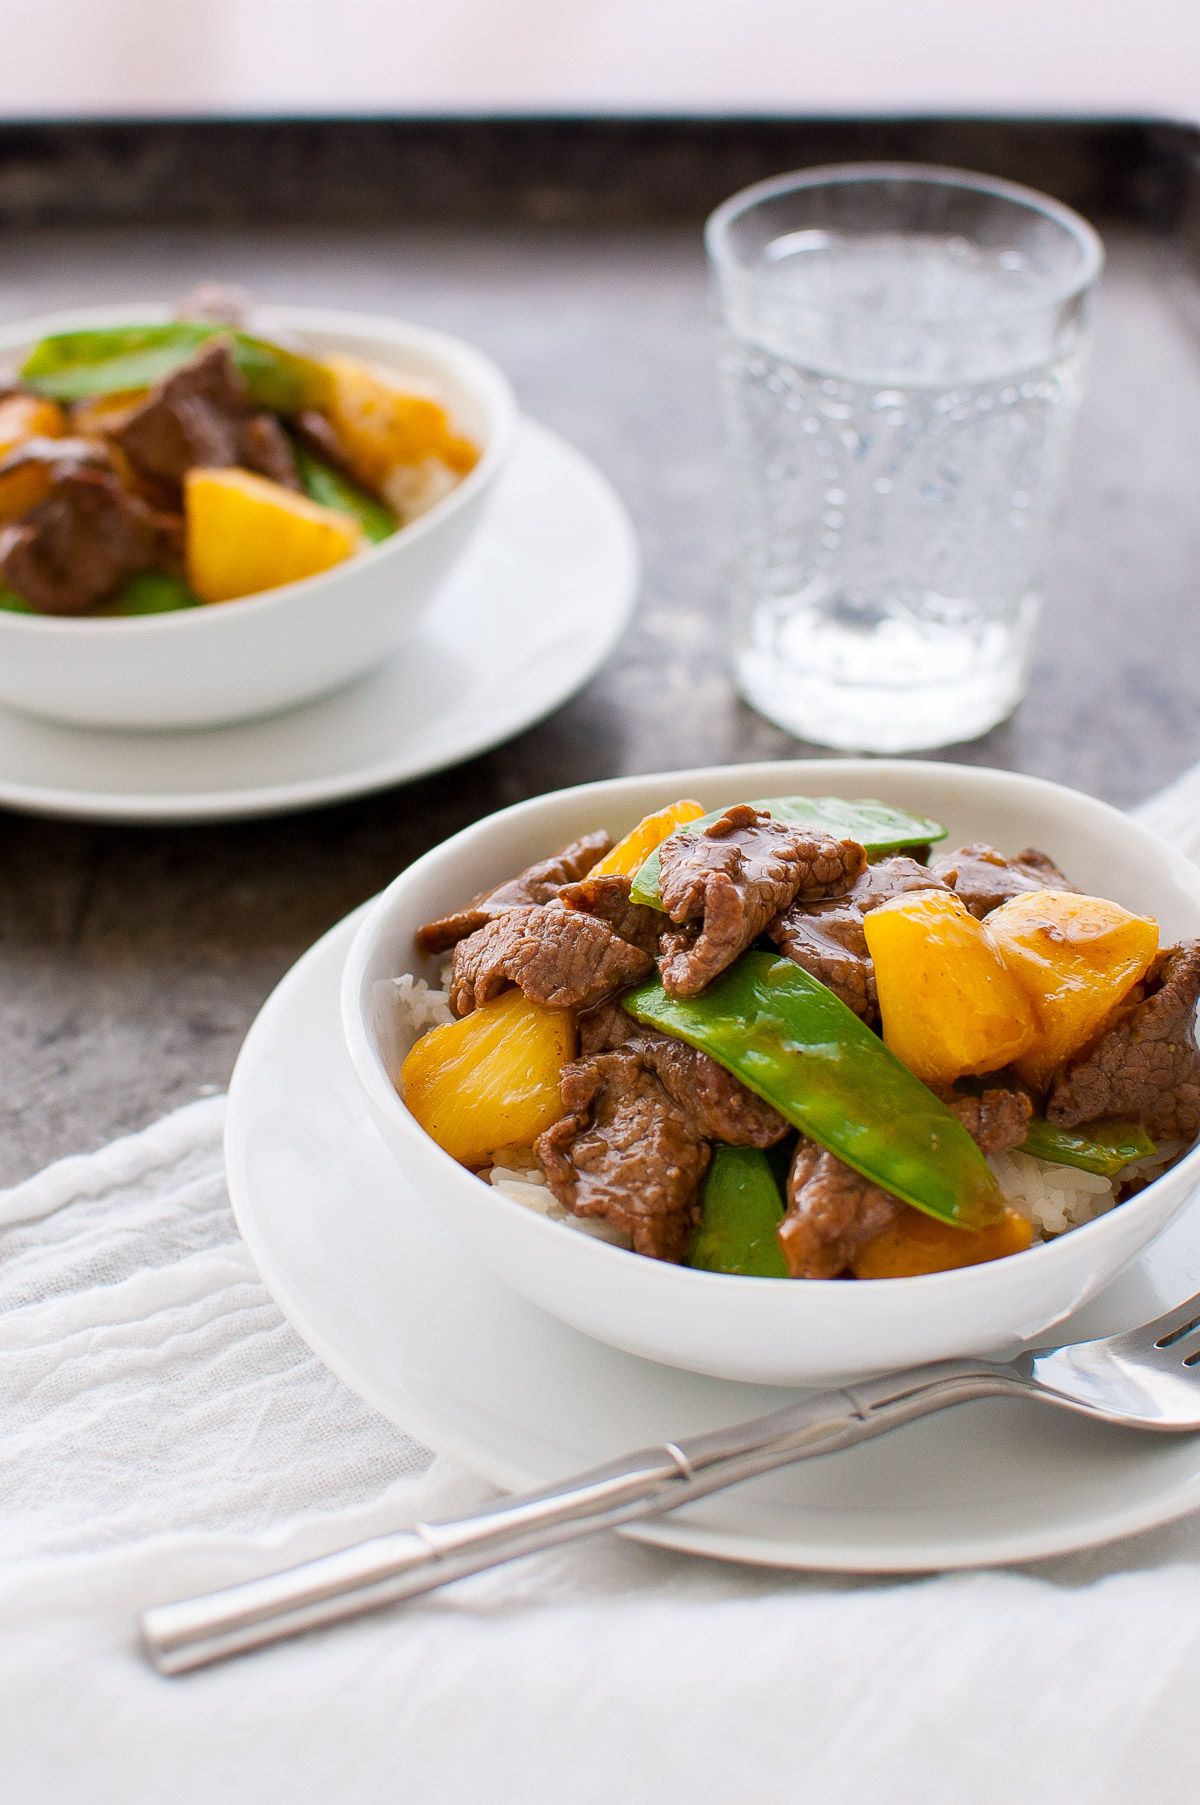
x=196, y=1631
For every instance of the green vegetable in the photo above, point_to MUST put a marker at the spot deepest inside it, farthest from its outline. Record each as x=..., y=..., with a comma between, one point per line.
x=282, y=381
x=333, y=490
x=1103, y=1147
x=742, y=1210
x=879, y=828
x=73, y=365
x=790, y=1039
x=150, y=592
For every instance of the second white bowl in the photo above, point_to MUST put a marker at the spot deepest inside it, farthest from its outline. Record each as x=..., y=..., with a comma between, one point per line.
x=207, y=666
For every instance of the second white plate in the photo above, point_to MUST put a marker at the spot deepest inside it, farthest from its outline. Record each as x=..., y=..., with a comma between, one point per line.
x=537, y=603
x=442, y=1348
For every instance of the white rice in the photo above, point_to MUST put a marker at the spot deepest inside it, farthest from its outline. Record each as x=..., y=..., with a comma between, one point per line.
x=404, y=1008
x=528, y=1185
x=1142, y=1172
x=410, y=490
x=1054, y=1198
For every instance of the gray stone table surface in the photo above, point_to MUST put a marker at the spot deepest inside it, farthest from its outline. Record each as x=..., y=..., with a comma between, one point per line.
x=132, y=960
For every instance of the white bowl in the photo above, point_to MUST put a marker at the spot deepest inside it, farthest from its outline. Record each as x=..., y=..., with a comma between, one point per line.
x=775, y=1331
x=206, y=666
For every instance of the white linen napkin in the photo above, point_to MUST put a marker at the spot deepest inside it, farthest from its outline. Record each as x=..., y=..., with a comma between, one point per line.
x=163, y=1431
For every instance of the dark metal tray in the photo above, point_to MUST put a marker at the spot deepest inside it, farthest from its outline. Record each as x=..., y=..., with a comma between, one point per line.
x=132, y=960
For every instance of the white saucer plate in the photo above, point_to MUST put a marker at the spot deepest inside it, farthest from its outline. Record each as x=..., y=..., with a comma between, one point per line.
x=538, y=601
x=448, y=1353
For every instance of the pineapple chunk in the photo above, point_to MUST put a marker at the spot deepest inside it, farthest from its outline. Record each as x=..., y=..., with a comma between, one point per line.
x=1075, y=957
x=104, y=413
x=382, y=426
x=23, y=420
x=459, y=454
x=29, y=417
x=948, y=1001
x=492, y=1079
x=245, y=534
x=630, y=854
x=916, y=1243
x=22, y=486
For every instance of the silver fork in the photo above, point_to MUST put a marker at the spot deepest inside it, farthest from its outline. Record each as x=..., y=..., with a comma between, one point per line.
x=1145, y=1379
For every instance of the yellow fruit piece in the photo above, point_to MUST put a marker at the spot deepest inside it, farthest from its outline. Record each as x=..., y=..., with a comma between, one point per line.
x=22, y=418
x=914, y=1243
x=459, y=454
x=949, y=1003
x=380, y=425
x=104, y=413
x=22, y=487
x=630, y=854
x=1075, y=957
x=245, y=534
x=29, y=417
x=492, y=1079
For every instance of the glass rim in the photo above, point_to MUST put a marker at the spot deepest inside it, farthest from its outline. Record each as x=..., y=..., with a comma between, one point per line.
x=1087, y=239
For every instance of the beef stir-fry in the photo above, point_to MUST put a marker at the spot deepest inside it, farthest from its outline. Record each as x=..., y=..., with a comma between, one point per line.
x=780, y=1040
x=149, y=468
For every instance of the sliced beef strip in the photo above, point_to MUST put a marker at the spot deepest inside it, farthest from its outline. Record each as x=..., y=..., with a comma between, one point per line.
x=200, y=417
x=193, y=417
x=832, y=1213
x=607, y=1027
x=626, y=1152
x=734, y=876
x=557, y=956
x=719, y=1106
x=827, y=938
x=984, y=878
x=263, y=446
x=997, y=1120
x=609, y=898
x=318, y=434
x=538, y=883
x=676, y=944
x=79, y=546
x=1145, y=1066
x=896, y=876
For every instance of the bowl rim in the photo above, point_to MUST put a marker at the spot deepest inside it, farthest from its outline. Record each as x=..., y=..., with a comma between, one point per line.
x=472, y=367
x=372, y=1077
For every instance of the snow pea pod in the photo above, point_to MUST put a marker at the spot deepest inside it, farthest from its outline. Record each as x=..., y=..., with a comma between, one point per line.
x=70, y=366
x=322, y=483
x=741, y=1212
x=873, y=824
x=786, y=1036
x=1102, y=1147
x=150, y=592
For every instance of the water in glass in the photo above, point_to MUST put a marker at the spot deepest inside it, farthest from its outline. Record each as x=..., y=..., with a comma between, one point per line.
x=898, y=414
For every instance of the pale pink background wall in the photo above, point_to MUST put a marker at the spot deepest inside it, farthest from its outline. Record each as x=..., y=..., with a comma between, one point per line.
x=81, y=57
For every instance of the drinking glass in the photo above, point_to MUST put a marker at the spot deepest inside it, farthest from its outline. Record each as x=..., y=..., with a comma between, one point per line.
x=902, y=357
